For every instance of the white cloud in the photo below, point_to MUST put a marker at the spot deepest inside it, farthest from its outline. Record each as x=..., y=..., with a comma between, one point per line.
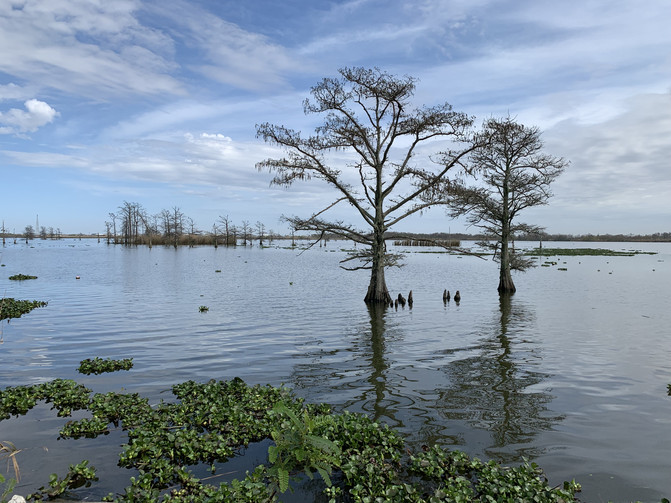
x=37, y=114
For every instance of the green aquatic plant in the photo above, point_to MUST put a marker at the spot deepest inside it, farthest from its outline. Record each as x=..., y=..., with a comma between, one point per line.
x=65, y=395
x=203, y=309
x=21, y=277
x=298, y=447
x=98, y=365
x=209, y=423
x=11, y=308
x=9, y=488
x=79, y=475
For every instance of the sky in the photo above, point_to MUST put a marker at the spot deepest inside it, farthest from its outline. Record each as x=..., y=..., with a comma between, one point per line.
x=156, y=101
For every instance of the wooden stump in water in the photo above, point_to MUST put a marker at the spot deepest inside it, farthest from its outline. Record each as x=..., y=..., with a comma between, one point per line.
x=457, y=296
x=401, y=300
x=446, y=295
x=410, y=299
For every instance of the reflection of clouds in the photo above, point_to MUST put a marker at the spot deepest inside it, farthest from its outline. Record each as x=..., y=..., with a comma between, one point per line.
x=491, y=388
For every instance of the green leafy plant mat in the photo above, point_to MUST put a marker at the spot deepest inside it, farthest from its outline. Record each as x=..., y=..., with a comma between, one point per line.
x=11, y=308
x=98, y=365
x=208, y=423
x=21, y=277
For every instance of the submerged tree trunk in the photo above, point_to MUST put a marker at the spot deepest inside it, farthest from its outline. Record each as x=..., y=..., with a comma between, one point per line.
x=506, y=284
x=377, y=289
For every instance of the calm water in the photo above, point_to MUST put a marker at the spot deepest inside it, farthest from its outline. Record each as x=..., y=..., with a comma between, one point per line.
x=571, y=372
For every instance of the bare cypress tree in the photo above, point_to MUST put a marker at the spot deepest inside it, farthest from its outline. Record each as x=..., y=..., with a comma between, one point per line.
x=367, y=113
x=260, y=232
x=246, y=229
x=516, y=175
x=227, y=227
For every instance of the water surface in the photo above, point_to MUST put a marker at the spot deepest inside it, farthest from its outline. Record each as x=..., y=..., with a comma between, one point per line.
x=571, y=371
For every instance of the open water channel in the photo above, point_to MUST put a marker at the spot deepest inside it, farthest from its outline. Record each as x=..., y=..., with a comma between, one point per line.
x=570, y=372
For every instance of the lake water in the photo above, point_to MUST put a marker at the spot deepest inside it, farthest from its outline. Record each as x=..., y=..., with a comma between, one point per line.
x=570, y=372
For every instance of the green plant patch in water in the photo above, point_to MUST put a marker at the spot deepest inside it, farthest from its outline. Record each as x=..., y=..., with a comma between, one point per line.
x=98, y=365
x=550, y=252
x=357, y=458
x=11, y=308
x=21, y=277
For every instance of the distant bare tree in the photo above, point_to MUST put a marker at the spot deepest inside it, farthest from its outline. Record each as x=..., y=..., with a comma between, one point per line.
x=246, y=229
x=29, y=232
x=113, y=218
x=227, y=227
x=108, y=231
x=260, y=232
x=132, y=216
x=234, y=235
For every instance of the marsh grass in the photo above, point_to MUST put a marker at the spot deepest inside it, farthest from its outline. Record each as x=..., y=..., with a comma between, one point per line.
x=9, y=451
x=576, y=252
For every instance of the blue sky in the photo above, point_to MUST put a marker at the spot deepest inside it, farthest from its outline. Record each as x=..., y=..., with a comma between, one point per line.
x=156, y=101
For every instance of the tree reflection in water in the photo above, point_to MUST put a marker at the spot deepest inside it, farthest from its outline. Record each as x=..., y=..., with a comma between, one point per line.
x=499, y=389
x=485, y=396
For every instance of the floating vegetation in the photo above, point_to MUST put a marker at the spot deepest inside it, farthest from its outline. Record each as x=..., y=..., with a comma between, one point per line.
x=21, y=277
x=101, y=366
x=79, y=475
x=217, y=270
x=562, y=269
x=203, y=309
x=357, y=458
x=11, y=308
x=550, y=252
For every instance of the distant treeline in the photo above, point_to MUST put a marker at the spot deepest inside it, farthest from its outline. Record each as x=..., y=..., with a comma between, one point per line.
x=443, y=236
x=428, y=242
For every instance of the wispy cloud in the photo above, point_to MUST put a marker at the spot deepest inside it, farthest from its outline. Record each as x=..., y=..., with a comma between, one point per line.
x=93, y=49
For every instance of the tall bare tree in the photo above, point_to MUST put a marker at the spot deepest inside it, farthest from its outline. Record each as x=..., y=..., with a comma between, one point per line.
x=514, y=175
x=227, y=226
x=246, y=229
x=367, y=113
x=260, y=231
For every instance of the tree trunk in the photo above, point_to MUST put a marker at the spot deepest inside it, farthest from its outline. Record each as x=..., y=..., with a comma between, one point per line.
x=506, y=284
x=377, y=289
